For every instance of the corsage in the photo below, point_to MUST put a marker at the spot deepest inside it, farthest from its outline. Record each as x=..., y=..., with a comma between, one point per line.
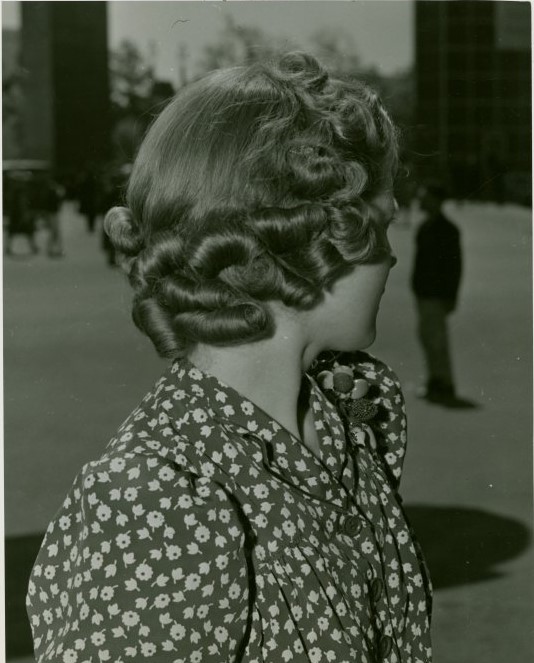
x=347, y=392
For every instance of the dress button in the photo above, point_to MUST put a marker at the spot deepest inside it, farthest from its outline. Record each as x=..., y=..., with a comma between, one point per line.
x=385, y=644
x=351, y=526
x=377, y=587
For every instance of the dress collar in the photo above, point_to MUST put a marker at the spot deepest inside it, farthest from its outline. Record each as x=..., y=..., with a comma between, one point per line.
x=208, y=400
x=222, y=402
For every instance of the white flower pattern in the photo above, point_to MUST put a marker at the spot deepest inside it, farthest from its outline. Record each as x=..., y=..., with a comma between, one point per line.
x=207, y=533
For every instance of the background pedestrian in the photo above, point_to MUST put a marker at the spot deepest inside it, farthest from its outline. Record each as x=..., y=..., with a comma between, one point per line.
x=19, y=208
x=436, y=282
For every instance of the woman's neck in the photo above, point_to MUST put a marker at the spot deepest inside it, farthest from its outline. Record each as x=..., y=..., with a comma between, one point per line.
x=268, y=372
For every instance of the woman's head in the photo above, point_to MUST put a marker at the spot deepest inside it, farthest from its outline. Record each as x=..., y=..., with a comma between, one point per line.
x=255, y=184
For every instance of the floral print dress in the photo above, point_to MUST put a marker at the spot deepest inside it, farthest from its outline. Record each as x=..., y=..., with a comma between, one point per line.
x=207, y=533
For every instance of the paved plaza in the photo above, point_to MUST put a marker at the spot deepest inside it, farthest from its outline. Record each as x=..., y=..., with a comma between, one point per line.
x=75, y=366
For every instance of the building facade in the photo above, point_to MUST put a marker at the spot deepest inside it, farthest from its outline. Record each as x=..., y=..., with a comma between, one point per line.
x=473, y=69
x=66, y=108
x=11, y=95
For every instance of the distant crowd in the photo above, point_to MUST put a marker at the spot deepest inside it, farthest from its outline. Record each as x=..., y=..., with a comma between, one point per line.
x=32, y=199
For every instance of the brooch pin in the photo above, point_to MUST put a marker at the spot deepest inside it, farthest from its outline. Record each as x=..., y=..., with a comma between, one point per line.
x=347, y=392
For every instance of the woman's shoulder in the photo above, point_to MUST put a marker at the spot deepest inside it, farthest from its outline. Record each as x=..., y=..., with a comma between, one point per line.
x=149, y=429
x=173, y=426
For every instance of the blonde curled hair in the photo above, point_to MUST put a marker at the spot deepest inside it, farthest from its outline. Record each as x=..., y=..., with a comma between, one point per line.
x=253, y=185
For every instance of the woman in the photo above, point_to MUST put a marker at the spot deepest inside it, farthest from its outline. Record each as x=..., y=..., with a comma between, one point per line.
x=247, y=509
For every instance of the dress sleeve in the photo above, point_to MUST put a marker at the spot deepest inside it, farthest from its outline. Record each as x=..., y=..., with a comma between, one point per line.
x=143, y=561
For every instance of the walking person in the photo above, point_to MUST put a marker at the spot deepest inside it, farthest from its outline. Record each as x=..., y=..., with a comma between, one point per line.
x=89, y=196
x=248, y=510
x=18, y=203
x=50, y=206
x=436, y=280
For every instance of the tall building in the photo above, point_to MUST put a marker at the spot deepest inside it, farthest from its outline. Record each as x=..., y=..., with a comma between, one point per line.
x=11, y=94
x=66, y=111
x=473, y=66
x=10, y=52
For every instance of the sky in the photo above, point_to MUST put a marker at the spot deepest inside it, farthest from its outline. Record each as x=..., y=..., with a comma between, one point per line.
x=382, y=29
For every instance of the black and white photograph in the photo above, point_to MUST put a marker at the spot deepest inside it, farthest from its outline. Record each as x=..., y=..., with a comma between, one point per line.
x=267, y=331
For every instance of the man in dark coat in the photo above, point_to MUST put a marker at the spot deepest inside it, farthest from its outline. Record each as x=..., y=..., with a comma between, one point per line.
x=435, y=283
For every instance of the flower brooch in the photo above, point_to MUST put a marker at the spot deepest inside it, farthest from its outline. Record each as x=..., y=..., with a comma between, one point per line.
x=347, y=392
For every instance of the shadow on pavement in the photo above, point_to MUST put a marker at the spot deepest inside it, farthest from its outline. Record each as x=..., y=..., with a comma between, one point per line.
x=20, y=554
x=463, y=545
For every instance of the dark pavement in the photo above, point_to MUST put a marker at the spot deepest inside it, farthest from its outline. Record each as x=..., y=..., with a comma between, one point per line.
x=75, y=366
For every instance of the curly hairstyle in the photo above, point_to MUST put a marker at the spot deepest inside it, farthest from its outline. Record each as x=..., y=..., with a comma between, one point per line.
x=253, y=185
